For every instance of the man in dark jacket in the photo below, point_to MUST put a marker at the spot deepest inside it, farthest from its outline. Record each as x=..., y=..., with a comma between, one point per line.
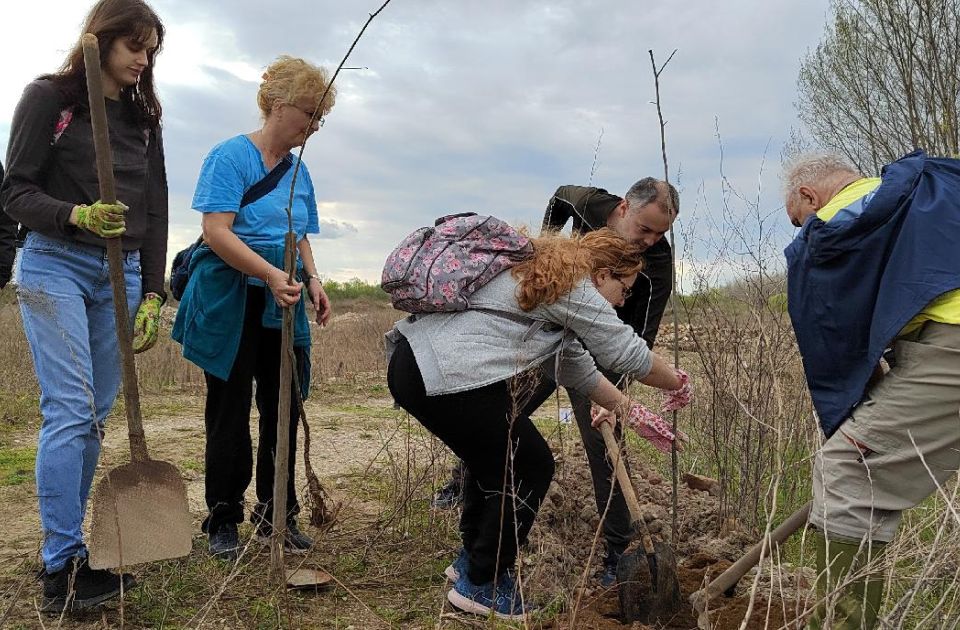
x=875, y=264
x=642, y=216
x=8, y=236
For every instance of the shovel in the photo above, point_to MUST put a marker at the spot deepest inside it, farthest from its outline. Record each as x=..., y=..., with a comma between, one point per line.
x=648, y=587
x=140, y=510
x=726, y=581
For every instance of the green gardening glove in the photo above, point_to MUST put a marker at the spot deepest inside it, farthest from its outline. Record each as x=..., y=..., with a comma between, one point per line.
x=103, y=219
x=146, y=325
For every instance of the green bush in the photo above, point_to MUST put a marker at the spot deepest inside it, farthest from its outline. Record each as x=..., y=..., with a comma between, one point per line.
x=353, y=290
x=777, y=302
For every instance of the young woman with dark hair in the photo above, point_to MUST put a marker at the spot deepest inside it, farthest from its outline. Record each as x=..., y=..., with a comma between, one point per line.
x=63, y=284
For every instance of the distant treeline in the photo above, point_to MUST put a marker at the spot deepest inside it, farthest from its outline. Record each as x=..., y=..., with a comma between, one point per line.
x=354, y=289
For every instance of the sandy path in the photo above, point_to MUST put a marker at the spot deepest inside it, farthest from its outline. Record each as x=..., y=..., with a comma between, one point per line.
x=344, y=442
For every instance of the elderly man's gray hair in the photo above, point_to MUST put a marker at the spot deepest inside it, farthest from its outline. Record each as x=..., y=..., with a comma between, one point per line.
x=646, y=191
x=809, y=169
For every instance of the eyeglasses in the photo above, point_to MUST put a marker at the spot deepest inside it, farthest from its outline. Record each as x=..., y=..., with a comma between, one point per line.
x=319, y=119
x=627, y=291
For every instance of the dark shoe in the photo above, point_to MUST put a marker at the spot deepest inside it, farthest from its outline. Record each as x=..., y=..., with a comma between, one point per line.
x=295, y=542
x=448, y=496
x=78, y=587
x=608, y=572
x=225, y=543
x=504, y=601
x=458, y=567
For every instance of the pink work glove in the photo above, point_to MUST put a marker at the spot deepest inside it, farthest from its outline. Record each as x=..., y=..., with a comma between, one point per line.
x=677, y=398
x=651, y=427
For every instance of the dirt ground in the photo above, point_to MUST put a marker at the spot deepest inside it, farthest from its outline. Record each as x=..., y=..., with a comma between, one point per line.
x=569, y=517
x=357, y=435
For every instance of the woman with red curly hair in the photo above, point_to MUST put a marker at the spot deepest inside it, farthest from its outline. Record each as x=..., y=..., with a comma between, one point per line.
x=470, y=378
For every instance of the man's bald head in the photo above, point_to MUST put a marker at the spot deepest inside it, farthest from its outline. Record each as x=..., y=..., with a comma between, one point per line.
x=810, y=180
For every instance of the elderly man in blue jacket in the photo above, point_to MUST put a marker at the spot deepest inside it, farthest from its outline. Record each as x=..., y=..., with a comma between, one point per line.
x=876, y=264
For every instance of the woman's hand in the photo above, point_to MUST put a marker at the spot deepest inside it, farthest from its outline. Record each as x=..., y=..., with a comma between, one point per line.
x=285, y=293
x=599, y=415
x=321, y=303
x=653, y=428
x=677, y=398
x=146, y=324
x=106, y=220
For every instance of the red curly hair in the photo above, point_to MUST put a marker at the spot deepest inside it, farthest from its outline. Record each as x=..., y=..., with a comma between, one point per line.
x=560, y=262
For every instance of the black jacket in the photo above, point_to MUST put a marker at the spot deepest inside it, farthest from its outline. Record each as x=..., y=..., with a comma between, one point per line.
x=8, y=235
x=589, y=209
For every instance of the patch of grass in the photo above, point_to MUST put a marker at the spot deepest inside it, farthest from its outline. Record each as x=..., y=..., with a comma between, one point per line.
x=16, y=465
x=365, y=411
x=18, y=411
x=192, y=464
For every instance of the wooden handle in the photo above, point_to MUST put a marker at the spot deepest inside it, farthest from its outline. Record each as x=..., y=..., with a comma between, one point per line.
x=739, y=568
x=282, y=452
x=108, y=194
x=626, y=486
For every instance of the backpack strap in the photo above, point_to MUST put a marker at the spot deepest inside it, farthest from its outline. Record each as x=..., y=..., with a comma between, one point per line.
x=269, y=183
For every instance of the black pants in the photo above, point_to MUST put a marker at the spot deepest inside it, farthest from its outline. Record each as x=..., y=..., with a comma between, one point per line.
x=616, y=525
x=508, y=463
x=229, y=451
x=617, y=530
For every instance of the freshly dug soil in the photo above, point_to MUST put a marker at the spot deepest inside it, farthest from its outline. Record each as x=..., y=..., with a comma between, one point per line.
x=565, y=540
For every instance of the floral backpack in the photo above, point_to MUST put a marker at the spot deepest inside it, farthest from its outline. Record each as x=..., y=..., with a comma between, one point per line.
x=436, y=269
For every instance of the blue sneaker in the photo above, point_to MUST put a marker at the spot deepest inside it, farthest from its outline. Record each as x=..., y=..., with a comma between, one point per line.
x=449, y=496
x=608, y=572
x=504, y=602
x=458, y=567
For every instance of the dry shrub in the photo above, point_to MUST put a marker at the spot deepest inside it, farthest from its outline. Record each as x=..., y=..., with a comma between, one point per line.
x=352, y=343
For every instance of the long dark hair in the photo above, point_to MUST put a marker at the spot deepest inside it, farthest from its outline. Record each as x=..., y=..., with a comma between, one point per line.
x=111, y=20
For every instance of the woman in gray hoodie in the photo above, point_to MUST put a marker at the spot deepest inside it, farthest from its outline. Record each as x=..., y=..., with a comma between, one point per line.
x=469, y=376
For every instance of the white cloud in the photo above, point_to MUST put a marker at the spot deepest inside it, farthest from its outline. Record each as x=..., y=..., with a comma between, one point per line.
x=484, y=106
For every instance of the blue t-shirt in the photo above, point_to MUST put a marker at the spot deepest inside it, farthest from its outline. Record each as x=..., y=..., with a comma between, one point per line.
x=229, y=170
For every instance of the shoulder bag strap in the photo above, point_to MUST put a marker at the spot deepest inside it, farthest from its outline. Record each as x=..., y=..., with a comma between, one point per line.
x=267, y=185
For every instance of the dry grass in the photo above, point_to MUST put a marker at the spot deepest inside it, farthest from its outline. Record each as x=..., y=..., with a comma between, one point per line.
x=750, y=427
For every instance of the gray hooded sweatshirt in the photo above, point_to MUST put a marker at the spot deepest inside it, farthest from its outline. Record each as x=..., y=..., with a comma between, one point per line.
x=495, y=339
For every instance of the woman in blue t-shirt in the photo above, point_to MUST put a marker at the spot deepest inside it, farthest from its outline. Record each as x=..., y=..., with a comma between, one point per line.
x=230, y=316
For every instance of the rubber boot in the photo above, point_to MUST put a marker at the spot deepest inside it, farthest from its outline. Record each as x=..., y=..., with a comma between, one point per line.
x=856, y=605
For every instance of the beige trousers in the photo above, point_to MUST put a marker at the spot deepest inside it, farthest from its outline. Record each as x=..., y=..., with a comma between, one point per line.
x=898, y=446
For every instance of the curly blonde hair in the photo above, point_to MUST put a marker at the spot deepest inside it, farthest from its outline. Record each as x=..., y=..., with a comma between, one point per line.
x=559, y=263
x=289, y=79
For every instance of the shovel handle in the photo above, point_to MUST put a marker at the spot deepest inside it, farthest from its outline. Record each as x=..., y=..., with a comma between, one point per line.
x=739, y=568
x=108, y=194
x=626, y=486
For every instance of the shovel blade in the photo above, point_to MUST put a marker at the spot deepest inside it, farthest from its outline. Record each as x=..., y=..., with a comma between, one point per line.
x=140, y=514
x=644, y=597
x=307, y=579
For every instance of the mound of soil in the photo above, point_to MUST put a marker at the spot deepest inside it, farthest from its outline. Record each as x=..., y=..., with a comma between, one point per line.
x=566, y=550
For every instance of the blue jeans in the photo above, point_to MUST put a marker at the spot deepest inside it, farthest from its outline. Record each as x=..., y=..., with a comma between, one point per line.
x=67, y=307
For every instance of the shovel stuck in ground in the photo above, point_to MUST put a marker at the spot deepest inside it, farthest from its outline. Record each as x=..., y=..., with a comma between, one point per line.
x=726, y=581
x=647, y=583
x=140, y=509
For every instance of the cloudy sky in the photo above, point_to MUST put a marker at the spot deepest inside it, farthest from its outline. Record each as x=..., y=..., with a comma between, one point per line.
x=475, y=105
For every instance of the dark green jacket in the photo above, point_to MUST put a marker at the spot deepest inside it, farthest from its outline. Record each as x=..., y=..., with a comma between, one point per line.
x=589, y=209
x=209, y=320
